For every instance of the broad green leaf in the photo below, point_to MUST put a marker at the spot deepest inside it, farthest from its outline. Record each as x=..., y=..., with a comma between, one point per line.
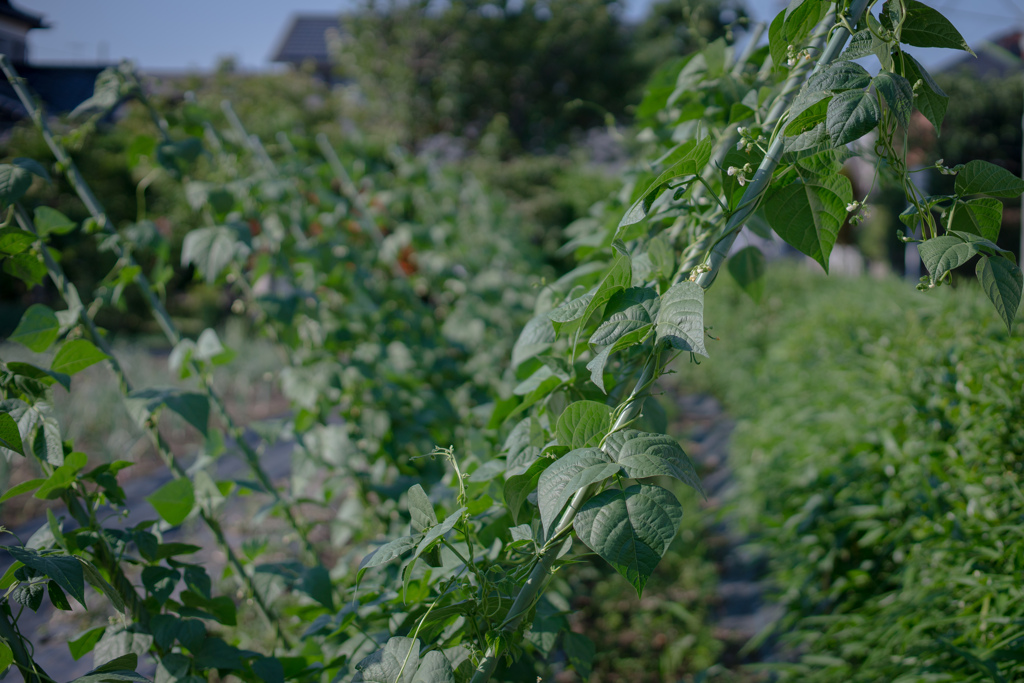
x=928, y=96
x=51, y=221
x=15, y=240
x=434, y=668
x=926, y=27
x=982, y=216
x=982, y=177
x=209, y=348
x=316, y=583
x=115, y=595
x=391, y=550
x=859, y=45
x=62, y=477
x=628, y=311
x=83, y=644
x=852, y=115
x=33, y=167
x=173, y=501
x=439, y=530
x=75, y=356
x=583, y=424
x=778, y=44
x=690, y=159
x=522, y=446
x=598, y=362
x=396, y=662
x=23, y=487
x=211, y=249
x=215, y=653
x=898, y=93
x=192, y=406
x=37, y=329
x=268, y=669
x=681, y=318
x=27, y=267
x=747, y=267
x=810, y=113
x=14, y=183
x=839, y=76
x=801, y=16
x=646, y=454
x=66, y=570
x=567, y=475
x=618, y=278
x=1003, y=283
x=520, y=486
x=10, y=437
x=946, y=252
x=421, y=509
x=6, y=656
x=630, y=529
x=537, y=336
x=160, y=582
x=808, y=213
x=580, y=650
x=662, y=256
x=57, y=597
x=47, y=377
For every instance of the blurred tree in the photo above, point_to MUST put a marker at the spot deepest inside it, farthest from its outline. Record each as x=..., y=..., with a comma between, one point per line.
x=451, y=68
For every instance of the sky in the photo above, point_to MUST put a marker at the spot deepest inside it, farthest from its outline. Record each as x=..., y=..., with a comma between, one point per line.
x=195, y=34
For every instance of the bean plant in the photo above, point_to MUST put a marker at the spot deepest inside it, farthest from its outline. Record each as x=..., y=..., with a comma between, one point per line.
x=457, y=475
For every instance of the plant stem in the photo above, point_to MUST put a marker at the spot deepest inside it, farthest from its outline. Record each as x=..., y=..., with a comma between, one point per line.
x=30, y=671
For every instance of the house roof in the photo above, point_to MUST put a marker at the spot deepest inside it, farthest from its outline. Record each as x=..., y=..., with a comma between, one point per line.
x=31, y=20
x=306, y=39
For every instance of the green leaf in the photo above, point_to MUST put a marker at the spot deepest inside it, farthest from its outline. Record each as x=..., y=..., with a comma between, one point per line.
x=434, y=668
x=211, y=249
x=51, y=221
x=173, y=501
x=646, y=454
x=747, y=267
x=808, y=115
x=852, y=115
x=946, y=252
x=421, y=509
x=62, y=477
x=23, y=487
x=439, y=530
x=898, y=94
x=982, y=216
x=583, y=424
x=928, y=96
x=662, y=256
x=209, y=348
x=75, y=356
x=33, y=167
x=83, y=644
x=628, y=311
x=47, y=377
x=618, y=278
x=316, y=583
x=630, y=529
x=10, y=437
x=14, y=183
x=390, y=551
x=808, y=213
x=580, y=650
x=6, y=656
x=778, y=44
x=925, y=27
x=160, y=582
x=598, y=362
x=570, y=473
x=801, y=17
x=520, y=486
x=681, y=318
x=37, y=329
x=57, y=597
x=268, y=669
x=15, y=240
x=192, y=406
x=689, y=159
x=537, y=337
x=1003, y=283
x=27, y=267
x=982, y=177
x=396, y=662
x=66, y=570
